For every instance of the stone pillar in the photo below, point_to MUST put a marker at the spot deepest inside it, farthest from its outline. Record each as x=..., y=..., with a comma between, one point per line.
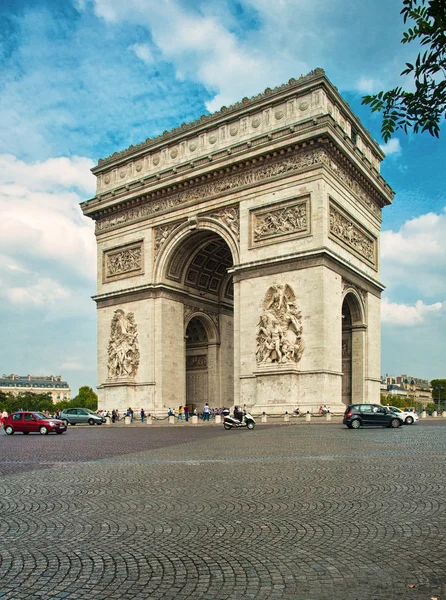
x=435, y=414
x=194, y=419
x=443, y=414
x=308, y=417
x=423, y=414
x=264, y=418
x=171, y=420
x=328, y=417
x=149, y=420
x=127, y=420
x=218, y=419
x=107, y=420
x=286, y=417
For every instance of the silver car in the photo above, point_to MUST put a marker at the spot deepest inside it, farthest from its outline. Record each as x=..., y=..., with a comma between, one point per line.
x=73, y=416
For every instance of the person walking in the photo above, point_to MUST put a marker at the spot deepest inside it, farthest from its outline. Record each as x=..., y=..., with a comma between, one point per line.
x=143, y=414
x=180, y=413
x=186, y=413
x=206, y=412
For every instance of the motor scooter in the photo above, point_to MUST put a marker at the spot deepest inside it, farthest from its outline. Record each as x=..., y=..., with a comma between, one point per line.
x=230, y=422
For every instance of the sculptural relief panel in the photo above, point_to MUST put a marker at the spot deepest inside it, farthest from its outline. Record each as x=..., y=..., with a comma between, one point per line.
x=276, y=222
x=345, y=229
x=279, y=331
x=123, y=261
x=123, y=351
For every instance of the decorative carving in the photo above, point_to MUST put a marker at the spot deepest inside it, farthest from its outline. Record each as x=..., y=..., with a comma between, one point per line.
x=123, y=352
x=204, y=118
x=229, y=183
x=229, y=216
x=161, y=234
x=195, y=362
x=279, y=332
x=268, y=223
x=123, y=261
x=346, y=230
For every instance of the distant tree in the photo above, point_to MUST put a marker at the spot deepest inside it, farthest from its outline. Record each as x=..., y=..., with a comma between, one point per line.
x=86, y=398
x=27, y=401
x=439, y=390
x=422, y=109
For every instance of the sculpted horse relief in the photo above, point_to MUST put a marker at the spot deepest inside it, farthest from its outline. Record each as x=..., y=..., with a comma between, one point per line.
x=279, y=332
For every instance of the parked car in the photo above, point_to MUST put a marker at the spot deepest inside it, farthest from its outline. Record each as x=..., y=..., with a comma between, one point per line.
x=409, y=417
x=373, y=415
x=73, y=416
x=28, y=422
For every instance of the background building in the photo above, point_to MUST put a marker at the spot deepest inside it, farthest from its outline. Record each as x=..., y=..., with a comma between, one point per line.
x=37, y=384
x=415, y=388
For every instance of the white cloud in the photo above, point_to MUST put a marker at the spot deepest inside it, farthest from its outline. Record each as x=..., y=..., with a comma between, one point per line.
x=41, y=217
x=408, y=315
x=143, y=52
x=44, y=291
x=368, y=85
x=393, y=146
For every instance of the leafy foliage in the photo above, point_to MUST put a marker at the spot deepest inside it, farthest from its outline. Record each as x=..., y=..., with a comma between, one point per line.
x=422, y=109
x=439, y=390
x=86, y=398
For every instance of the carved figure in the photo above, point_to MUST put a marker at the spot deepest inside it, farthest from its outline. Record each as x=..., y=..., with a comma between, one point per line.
x=123, y=353
x=279, y=332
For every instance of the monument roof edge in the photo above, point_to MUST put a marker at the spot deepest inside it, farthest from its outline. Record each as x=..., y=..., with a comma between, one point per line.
x=291, y=84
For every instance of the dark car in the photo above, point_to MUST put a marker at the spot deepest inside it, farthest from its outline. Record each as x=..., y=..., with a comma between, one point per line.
x=74, y=416
x=372, y=415
x=28, y=422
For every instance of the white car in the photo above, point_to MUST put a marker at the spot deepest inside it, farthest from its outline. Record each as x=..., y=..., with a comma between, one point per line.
x=409, y=417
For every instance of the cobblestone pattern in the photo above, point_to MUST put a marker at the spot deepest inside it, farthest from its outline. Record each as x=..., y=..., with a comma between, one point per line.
x=293, y=512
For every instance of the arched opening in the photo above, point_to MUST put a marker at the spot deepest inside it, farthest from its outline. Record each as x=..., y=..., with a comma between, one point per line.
x=196, y=273
x=353, y=350
x=197, y=363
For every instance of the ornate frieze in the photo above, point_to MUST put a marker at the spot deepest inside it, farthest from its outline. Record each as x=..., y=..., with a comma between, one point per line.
x=273, y=223
x=230, y=217
x=224, y=184
x=250, y=176
x=345, y=229
x=279, y=332
x=124, y=261
x=161, y=234
x=196, y=362
x=123, y=352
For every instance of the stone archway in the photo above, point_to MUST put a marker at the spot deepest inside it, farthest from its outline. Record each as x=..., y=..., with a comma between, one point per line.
x=194, y=271
x=353, y=349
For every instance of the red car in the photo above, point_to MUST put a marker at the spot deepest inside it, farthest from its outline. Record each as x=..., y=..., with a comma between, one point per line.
x=27, y=422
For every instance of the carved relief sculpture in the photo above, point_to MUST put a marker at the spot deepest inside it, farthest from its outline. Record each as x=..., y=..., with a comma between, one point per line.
x=161, y=235
x=279, y=332
x=346, y=230
x=122, y=261
x=229, y=216
x=270, y=223
x=123, y=352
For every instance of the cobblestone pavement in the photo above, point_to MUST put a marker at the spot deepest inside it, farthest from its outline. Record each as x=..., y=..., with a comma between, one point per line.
x=293, y=512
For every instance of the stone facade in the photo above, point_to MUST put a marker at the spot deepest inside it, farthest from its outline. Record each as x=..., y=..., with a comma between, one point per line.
x=238, y=258
x=36, y=384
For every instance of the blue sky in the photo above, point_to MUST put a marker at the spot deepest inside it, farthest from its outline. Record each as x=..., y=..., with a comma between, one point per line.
x=84, y=78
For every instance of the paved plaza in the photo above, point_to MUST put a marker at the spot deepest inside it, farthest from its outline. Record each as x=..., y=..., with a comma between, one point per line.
x=301, y=511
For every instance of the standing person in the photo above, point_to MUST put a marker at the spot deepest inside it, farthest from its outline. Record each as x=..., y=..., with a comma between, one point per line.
x=206, y=412
x=186, y=413
x=143, y=414
x=180, y=413
x=117, y=414
x=113, y=417
x=3, y=416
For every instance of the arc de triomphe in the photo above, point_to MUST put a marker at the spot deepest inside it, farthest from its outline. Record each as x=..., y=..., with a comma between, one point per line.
x=238, y=259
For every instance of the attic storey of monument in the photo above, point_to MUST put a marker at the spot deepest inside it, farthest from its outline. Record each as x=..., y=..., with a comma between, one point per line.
x=238, y=258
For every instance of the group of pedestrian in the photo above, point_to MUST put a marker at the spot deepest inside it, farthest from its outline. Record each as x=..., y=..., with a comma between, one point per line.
x=323, y=410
